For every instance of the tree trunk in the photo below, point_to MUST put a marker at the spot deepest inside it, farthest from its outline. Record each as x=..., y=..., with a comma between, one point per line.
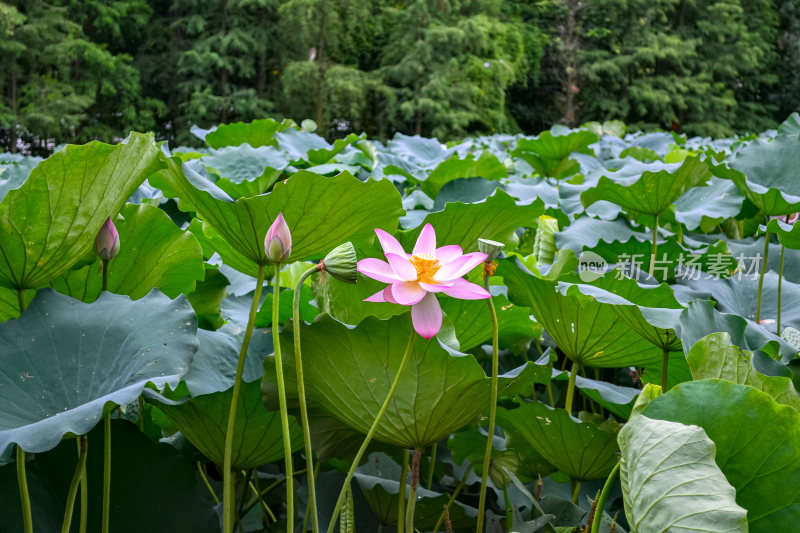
x=571, y=43
x=223, y=116
x=12, y=97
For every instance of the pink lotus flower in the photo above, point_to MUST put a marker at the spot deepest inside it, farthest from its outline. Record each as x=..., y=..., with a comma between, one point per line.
x=415, y=277
x=106, y=243
x=278, y=243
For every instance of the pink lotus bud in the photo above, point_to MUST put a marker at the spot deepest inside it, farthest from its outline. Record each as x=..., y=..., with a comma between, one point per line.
x=278, y=244
x=106, y=244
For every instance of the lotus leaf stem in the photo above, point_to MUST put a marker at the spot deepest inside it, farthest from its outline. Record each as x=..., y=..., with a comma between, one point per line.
x=21, y=300
x=601, y=500
x=509, y=510
x=267, y=511
x=412, y=495
x=105, y=275
x=401, y=494
x=431, y=466
x=80, y=469
x=22, y=480
x=228, y=519
x=655, y=247
x=268, y=488
x=452, y=498
x=487, y=456
x=301, y=392
x=573, y=374
x=372, y=429
x=84, y=497
x=664, y=367
x=761, y=277
x=287, y=442
x=207, y=484
x=576, y=490
x=780, y=286
x=106, y=473
x=315, y=475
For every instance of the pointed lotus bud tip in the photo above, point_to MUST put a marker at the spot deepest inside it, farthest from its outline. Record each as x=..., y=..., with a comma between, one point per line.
x=341, y=263
x=278, y=243
x=491, y=248
x=106, y=244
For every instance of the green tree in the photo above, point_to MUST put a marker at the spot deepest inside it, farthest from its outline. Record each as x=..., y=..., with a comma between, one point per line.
x=448, y=65
x=224, y=49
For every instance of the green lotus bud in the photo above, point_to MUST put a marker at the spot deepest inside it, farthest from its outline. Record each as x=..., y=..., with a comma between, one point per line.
x=106, y=244
x=341, y=263
x=491, y=248
x=278, y=243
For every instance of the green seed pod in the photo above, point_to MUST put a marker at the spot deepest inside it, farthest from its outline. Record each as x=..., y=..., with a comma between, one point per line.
x=341, y=263
x=491, y=248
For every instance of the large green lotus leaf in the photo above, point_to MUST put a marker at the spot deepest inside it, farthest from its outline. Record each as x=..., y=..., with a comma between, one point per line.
x=345, y=302
x=653, y=312
x=51, y=221
x=213, y=243
x=144, y=476
x=154, y=253
x=766, y=174
x=214, y=365
x=582, y=450
x=757, y=441
x=708, y=206
x=714, y=356
x=244, y=170
x=582, y=327
x=790, y=126
x=788, y=234
x=64, y=360
x=487, y=166
x=473, y=323
x=420, y=151
x=378, y=480
x=652, y=192
x=14, y=170
x=670, y=481
x=496, y=218
x=740, y=296
x=616, y=399
x=207, y=298
x=203, y=420
x=348, y=372
x=256, y=133
x=700, y=318
x=549, y=154
x=308, y=149
x=320, y=212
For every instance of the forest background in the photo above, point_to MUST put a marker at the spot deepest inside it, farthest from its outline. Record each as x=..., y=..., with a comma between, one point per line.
x=76, y=70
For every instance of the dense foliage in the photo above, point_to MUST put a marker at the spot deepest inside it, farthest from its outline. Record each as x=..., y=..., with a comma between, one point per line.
x=643, y=321
x=76, y=70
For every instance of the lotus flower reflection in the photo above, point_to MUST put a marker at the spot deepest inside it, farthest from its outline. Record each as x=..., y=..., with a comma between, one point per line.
x=415, y=277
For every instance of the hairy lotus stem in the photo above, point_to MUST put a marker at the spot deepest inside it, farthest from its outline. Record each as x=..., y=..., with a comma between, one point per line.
x=487, y=456
x=372, y=430
x=412, y=495
x=509, y=509
x=664, y=368
x=228, y=520
x=761, y=277
x=301, y=391
x=80, y=470
x=601, y=500
x=401, y=494
x=287, y=443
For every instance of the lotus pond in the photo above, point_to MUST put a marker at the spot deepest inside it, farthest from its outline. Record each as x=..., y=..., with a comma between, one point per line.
x=277, y=333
